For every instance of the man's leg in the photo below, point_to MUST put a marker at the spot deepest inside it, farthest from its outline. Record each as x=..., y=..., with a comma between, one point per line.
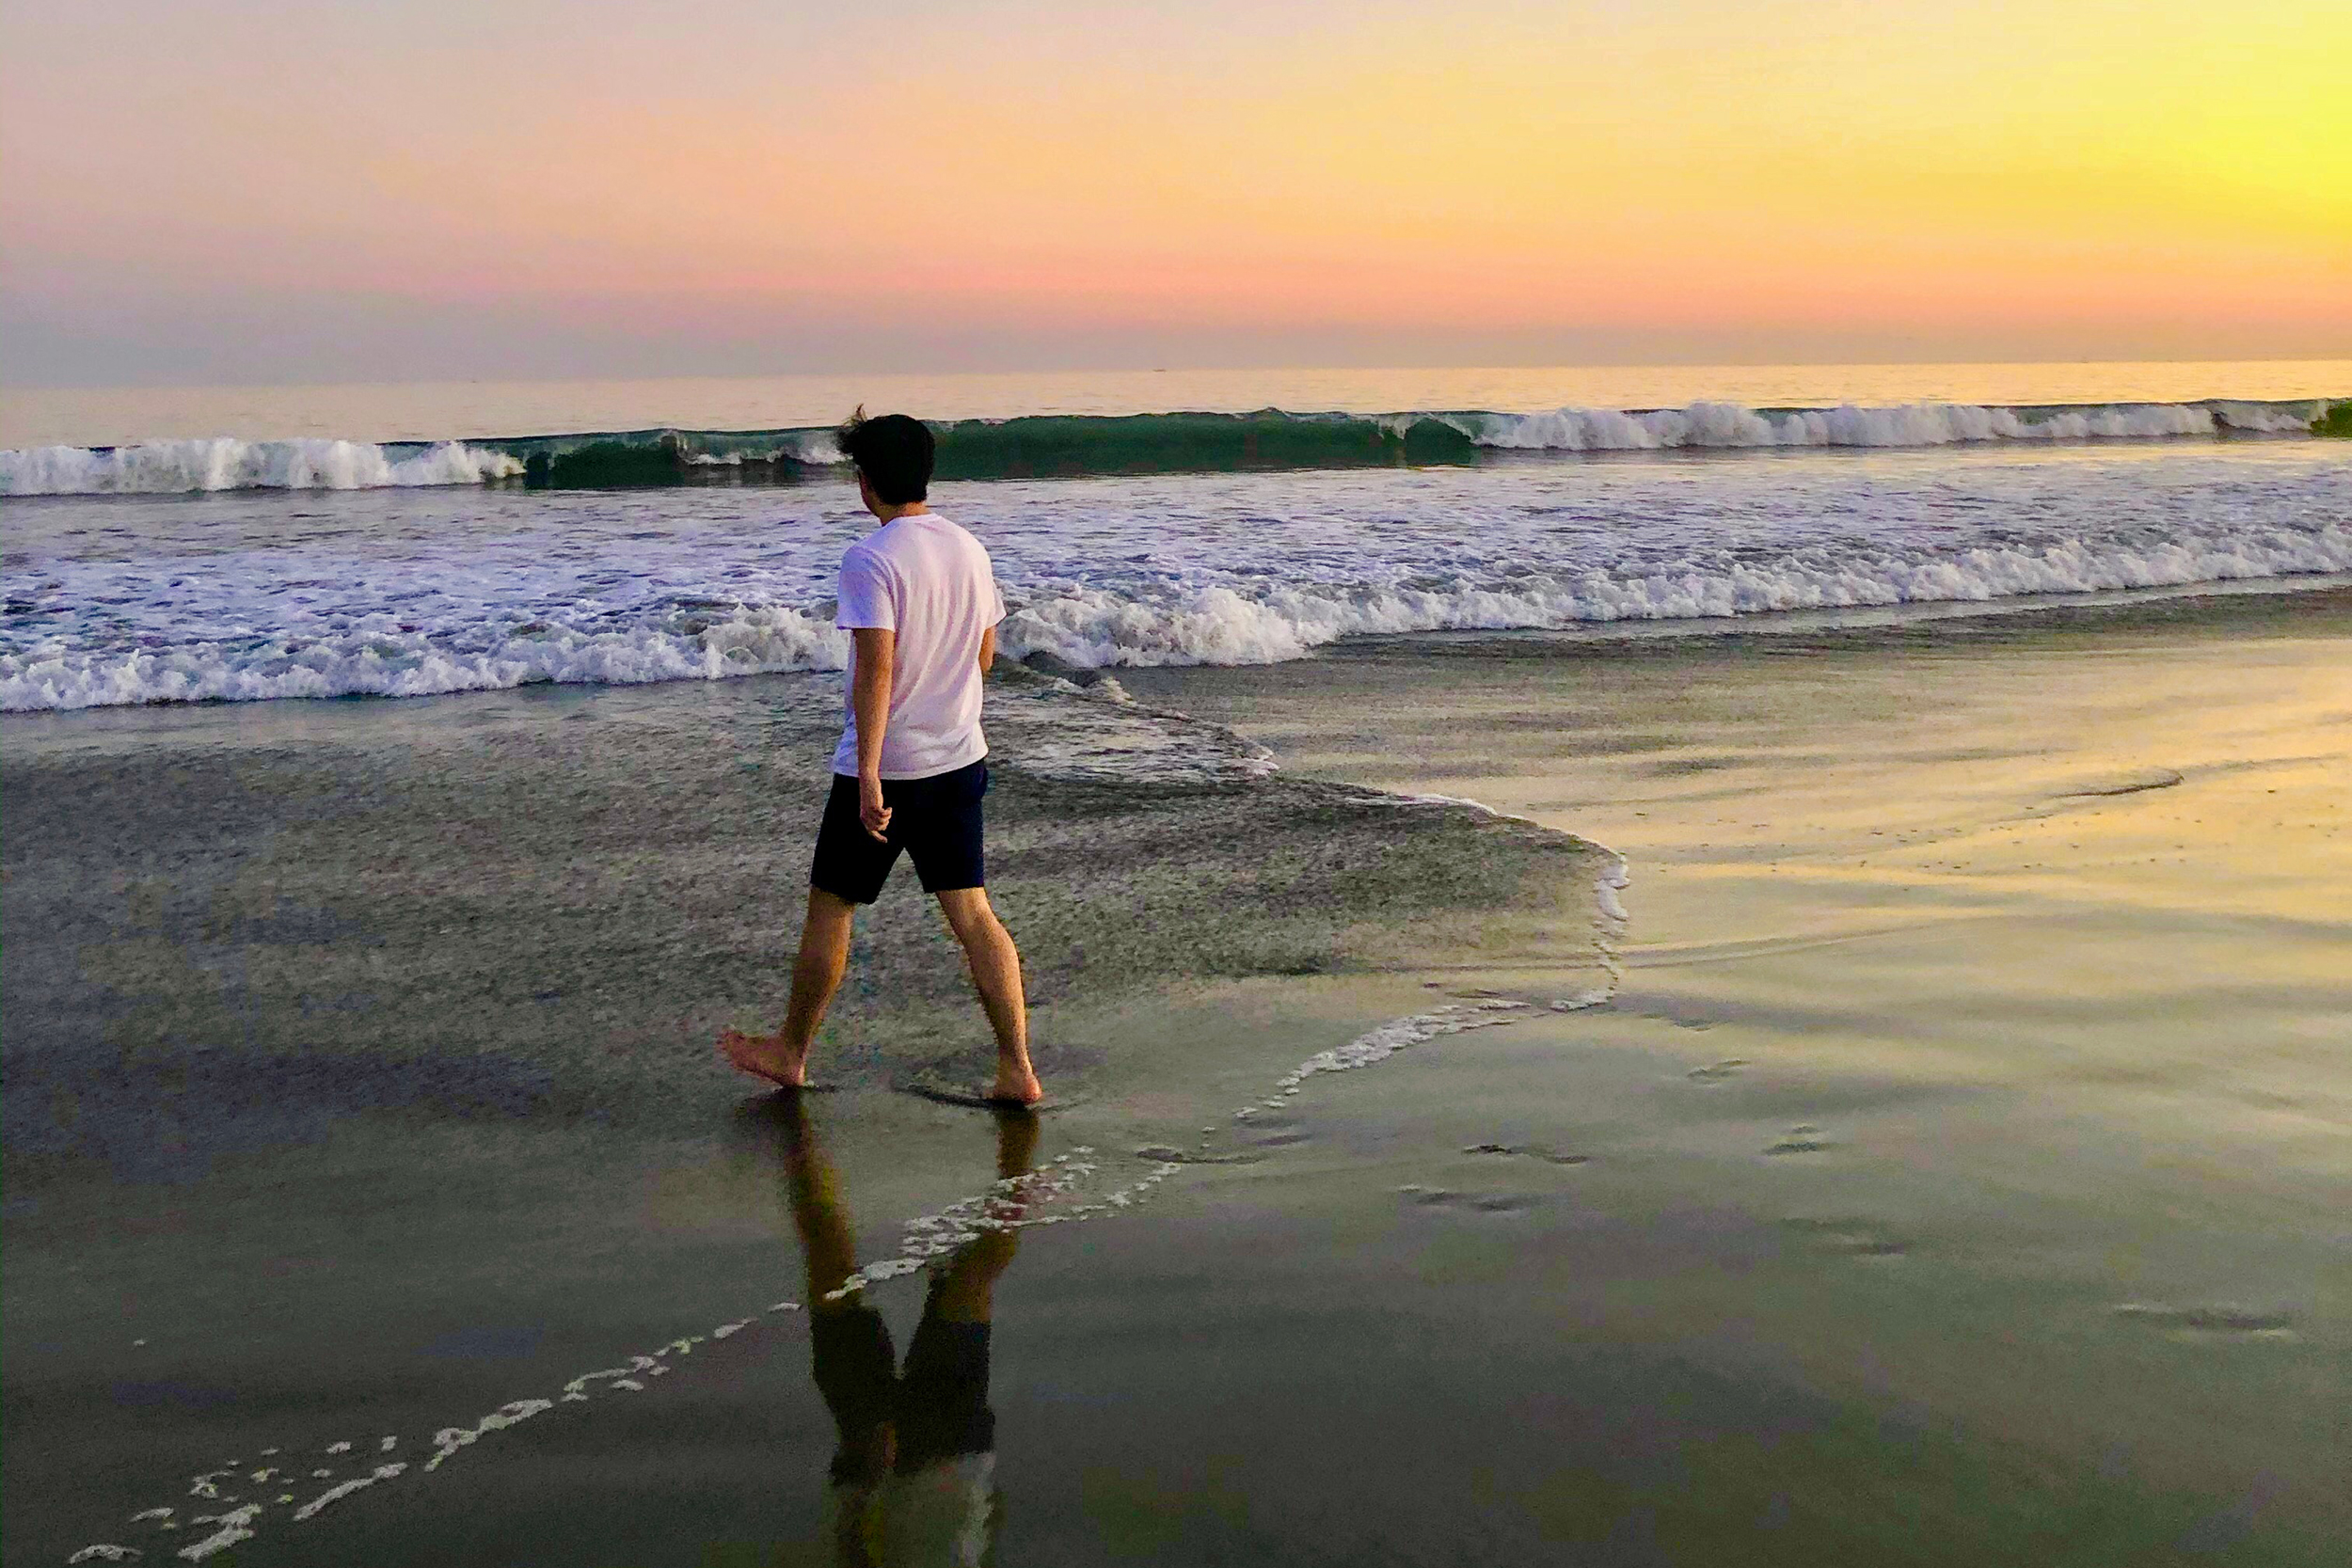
x=962, y=1290
x=849, y=1346
x=942, y=1390
x=813, y=1194
x=783, y=1056
x=995, y=966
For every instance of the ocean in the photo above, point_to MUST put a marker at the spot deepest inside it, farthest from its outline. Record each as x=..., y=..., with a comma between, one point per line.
x=424, y=551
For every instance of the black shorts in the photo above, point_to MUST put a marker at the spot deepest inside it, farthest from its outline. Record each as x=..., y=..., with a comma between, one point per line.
x=938, y=1405
x=935, y=820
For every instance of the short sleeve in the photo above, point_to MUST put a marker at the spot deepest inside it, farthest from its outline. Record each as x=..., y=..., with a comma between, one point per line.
x=995, y=597
x=864, y=600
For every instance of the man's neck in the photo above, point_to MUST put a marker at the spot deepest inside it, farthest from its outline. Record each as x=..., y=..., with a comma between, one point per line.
x=886, y=515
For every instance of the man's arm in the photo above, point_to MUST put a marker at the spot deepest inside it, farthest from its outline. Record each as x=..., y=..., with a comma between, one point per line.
x=869, y=699
x=988, y=652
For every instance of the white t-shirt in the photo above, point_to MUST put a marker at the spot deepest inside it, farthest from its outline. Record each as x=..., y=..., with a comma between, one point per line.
x=930, y=581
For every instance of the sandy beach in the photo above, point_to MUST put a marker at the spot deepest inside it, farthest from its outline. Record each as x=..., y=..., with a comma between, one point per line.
x=1942, y=1160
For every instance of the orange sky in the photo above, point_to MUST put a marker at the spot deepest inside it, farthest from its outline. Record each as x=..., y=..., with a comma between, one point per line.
x=209, y=190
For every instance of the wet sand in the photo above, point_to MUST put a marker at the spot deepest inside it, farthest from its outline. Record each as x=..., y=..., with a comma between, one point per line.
x=2019, y=952
x=1957, y=1172
x=359, y=1055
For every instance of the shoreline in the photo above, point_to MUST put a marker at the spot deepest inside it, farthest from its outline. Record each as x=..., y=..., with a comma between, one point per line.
x=2186, y=604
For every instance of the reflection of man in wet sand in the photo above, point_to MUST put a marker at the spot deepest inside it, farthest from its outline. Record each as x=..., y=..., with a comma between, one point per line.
x=920, y=601
x=914, y=1476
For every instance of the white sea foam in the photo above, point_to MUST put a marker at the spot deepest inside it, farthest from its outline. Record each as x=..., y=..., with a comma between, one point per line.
x=1094, y=629
x=1727, y=424
x=1097, y=627
x=449, y=1439
x=1378, y=1045
x=335, y=1494
x=225, y=463
x=385, y=661
x=814, y=447
x=411, y=592
x=236, y=1526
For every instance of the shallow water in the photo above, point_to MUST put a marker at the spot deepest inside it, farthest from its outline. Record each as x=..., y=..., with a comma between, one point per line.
x=2106, y=853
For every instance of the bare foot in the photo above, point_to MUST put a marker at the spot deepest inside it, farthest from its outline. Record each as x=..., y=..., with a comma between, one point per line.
x=1016, y=1085
x=766, y=1056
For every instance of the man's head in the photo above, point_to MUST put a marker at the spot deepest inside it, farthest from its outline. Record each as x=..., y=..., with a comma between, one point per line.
x=893, y=455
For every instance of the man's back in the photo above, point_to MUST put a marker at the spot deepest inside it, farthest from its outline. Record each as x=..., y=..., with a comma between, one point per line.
x=929, y=582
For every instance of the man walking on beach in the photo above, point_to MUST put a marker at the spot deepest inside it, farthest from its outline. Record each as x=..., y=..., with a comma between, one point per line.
x=920, y=603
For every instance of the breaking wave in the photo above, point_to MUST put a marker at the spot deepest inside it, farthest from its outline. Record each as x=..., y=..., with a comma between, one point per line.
x=1095, y=627
x=155, y=467
x=1053, y=445
x=381, y=660
x=1726, y=424
x=1091, y=628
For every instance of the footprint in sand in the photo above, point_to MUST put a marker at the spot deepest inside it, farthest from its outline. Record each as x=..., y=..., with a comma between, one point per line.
x=2126, y=784
x=1848, y=1238
x=1472, y=1203
x=1663, y=1015
x=964, y=1080
x=1716, y=1073
x=1799, y=1140
x=1550, y=1156
x=1272, y=1130
x=1167, y=1155
x=2210, y=1322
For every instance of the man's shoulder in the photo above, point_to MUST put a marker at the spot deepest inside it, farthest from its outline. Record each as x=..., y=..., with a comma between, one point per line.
x=964, y=538
x=869, y=552
x=939, y=523
x=935, y=536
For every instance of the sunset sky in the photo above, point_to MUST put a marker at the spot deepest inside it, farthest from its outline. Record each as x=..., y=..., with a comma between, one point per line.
x=234, y=191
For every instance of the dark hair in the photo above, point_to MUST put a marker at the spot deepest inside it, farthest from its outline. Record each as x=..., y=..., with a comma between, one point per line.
x=893, y=453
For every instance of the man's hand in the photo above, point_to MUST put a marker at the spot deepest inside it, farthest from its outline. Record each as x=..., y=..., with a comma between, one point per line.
x=870, y=809
x=874, y=661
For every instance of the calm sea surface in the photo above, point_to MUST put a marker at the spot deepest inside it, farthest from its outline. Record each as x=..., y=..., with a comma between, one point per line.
x=429, y=411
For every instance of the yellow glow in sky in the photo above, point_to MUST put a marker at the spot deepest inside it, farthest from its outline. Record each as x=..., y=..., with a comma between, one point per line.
x=1828, y=178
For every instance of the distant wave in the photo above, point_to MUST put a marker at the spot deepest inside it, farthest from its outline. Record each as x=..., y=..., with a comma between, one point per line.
x=226, y=464
x=1052, y=445
x=1726, y=424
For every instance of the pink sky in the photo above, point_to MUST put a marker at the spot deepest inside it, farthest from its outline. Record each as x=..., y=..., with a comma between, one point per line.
x=236, y=192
